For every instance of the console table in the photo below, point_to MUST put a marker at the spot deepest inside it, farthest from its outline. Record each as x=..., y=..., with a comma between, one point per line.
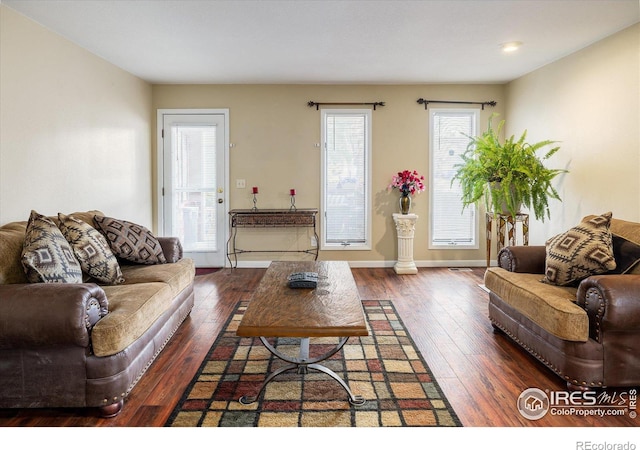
x=270, y=218
x=508, y=222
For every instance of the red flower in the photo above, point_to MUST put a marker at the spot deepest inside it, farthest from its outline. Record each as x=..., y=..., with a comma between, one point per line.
x=407, y=182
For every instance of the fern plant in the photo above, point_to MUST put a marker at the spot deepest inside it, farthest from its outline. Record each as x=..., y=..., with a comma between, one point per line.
x=507, y=174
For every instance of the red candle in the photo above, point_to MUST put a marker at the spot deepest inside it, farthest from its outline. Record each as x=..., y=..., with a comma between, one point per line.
x=255, y=189
x=292, y=191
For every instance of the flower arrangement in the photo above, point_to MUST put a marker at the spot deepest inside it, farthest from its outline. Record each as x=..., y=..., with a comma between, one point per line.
x=408, y=182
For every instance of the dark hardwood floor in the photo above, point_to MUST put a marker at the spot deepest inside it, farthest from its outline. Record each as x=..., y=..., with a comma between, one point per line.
x=482, y=373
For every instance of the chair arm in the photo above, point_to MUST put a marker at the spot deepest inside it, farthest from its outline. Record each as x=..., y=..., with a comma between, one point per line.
x=171, y=247
x=523, y=258
x=49, y=314
x=612, y=303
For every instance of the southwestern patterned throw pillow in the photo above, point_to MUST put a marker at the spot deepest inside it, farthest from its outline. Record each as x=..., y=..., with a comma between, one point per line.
x=584, y=250
x=47, y=257
x=92, y=250
x=130, y=241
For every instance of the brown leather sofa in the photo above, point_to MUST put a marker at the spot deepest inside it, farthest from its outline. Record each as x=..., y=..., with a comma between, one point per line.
x=588, y=334
x=85, y=344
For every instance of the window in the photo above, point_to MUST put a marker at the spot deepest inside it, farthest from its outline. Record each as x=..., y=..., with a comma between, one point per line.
x=450, y=226
x=346, y=160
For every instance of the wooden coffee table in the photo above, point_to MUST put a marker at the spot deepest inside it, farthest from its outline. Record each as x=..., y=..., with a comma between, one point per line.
x=333, y=309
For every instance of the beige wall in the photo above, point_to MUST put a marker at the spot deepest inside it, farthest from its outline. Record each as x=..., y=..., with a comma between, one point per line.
x=274, y=135
x=74, y=130
x=590, y=102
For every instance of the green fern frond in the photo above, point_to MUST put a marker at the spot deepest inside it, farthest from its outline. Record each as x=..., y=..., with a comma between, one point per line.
x=514, y=164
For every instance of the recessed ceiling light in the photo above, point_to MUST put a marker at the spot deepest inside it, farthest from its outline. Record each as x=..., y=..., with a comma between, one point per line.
x=509, y=47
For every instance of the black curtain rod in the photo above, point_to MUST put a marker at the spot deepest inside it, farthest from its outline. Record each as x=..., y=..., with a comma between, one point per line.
x=426, y=102
x=317, y=105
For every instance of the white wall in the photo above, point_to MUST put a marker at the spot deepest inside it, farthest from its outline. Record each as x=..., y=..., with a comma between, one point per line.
x=590, y=102
x=75, y=131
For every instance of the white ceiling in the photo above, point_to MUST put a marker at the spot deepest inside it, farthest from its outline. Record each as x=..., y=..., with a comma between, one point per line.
x=330, y=41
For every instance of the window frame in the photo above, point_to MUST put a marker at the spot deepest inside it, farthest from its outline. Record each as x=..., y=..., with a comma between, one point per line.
x=366, y=245
x=472, y=208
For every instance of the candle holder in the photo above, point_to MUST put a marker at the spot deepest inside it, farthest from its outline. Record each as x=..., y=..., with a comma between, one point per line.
x=255, y=199
x=292, y=193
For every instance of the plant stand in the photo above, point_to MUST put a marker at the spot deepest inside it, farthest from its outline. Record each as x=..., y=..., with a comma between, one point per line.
x=506, y=223
x=405, y=226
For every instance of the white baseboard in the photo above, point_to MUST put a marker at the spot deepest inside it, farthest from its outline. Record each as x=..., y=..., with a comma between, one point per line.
x=253, y=264
x=380, y=264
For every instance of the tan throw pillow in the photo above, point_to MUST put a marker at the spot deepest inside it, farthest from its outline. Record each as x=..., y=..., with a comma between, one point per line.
x=130, y=241
x=91, y=250
x=584, y=250
x=47, y=257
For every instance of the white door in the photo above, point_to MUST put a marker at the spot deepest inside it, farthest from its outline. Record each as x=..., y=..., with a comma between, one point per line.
x=193, y=170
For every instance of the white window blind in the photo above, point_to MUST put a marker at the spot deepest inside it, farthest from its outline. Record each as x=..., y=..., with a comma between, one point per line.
x=450, y=225
x=345, y=178
x=194, y=186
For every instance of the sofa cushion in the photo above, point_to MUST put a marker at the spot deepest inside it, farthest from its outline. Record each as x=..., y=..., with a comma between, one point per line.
x=11, y=245
x=551, y=307
x=177, y=275
x=130, y=241
x=133, y=308
x=47, y=257
x=91, y=249
x=629, y=231
x=626, y=254
x=84, y=216
x=626, y=229
x=582, y=251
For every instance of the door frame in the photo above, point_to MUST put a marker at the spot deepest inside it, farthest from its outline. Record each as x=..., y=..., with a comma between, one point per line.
x=159, y=188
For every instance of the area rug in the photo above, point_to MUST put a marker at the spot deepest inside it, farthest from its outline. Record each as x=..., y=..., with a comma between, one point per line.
x=385, y=368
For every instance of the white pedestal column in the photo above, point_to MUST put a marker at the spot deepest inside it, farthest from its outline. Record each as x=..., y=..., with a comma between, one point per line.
x=405, y=226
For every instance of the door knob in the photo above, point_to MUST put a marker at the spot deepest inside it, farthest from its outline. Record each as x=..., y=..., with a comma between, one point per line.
x=220, y=200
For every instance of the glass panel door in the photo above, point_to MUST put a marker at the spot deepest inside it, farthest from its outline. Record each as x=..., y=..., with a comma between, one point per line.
x=193, y=200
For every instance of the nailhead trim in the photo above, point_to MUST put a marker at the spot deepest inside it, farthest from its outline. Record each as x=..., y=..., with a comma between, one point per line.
x=591, y=293
x=93, y=302
x=153, y=358
x=542, y=360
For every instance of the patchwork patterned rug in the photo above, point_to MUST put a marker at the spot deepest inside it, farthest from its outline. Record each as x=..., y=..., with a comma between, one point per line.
x=384, y=367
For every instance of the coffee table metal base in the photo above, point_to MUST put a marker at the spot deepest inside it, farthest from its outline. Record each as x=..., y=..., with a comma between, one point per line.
x=302, y=363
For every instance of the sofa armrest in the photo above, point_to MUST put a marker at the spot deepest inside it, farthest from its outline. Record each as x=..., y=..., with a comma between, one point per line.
x=523, y=258
x=171, y=247
x=612, y=303
x=49, y=314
